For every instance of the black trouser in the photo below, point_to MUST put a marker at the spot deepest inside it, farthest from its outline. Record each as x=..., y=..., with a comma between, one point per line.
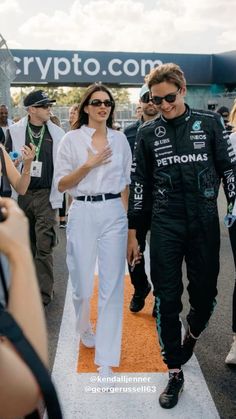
x=42, y=221
x=62, y=211
x=232, y=236
x=138, y=276
x=172, y=240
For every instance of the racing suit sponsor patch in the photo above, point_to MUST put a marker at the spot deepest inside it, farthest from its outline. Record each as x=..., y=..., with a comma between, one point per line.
x=199, y=144
x=196, y=126
x=138, y=195
x=198, y=137
x=185, y=158
x=230, y=182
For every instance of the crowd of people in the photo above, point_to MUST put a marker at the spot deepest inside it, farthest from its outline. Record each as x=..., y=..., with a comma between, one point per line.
x=156, y=176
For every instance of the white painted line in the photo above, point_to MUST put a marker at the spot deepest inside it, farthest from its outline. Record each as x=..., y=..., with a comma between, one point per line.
x=195, y=402
x=79, y=402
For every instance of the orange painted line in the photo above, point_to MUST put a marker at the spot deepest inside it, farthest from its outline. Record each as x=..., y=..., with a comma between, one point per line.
x=140, y=348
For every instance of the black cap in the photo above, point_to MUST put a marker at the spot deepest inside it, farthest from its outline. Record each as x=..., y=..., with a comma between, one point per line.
x=37, y=98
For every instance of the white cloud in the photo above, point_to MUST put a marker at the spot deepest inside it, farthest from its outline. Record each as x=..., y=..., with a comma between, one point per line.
x=228, y=38
x=44, y=27
x=13, y=44
x=7, y=6
x=195, y=26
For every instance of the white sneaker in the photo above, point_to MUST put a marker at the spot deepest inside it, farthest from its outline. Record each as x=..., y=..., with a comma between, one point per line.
x=106, y=374
x=231, y=357
x=105, y=371
x=88, y=338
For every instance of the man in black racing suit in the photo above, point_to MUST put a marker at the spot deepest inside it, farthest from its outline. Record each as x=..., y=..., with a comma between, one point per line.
x=179, y=161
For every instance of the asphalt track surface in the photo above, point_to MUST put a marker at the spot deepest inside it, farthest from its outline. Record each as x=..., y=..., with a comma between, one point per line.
x=215, y=342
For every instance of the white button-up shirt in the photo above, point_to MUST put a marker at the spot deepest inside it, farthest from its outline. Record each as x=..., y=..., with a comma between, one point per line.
x=107, y=178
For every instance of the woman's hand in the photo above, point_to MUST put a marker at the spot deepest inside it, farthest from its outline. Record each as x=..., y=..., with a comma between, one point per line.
x=28, y=154
x=93, y=160
x=13, y=229
x=100, y=158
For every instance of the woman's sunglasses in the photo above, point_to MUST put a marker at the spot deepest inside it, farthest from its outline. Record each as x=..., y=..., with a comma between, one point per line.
x=97, y=102
x=170, y=98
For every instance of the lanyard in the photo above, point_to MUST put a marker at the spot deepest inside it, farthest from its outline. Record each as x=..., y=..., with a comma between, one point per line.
x=37, y=146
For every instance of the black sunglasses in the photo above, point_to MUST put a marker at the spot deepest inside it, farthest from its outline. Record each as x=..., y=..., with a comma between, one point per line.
x=170, y=98
x=43, y=106
x=97, y=102
x=146, y=98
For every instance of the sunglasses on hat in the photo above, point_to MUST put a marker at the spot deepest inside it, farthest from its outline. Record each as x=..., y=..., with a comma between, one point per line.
x=170, y=98
x=97, y=103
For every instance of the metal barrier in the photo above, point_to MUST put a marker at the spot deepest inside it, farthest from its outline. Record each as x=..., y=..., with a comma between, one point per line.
x=7, y=72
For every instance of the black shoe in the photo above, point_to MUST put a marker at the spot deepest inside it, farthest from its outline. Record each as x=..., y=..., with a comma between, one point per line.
x=154, y=310
x=62, y=224
x=188, y=345
x=170, y=396
x=138, y=302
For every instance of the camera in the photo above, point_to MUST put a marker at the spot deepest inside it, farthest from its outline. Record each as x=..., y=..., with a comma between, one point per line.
x=14, y=155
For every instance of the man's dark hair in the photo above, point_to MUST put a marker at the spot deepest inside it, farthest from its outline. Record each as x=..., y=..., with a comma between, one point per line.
x=170, y=73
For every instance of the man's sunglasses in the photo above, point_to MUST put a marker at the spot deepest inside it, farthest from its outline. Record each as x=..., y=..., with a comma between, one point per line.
x=170, y=98
x=146, y=98
x=97, y=102
x=43, y=106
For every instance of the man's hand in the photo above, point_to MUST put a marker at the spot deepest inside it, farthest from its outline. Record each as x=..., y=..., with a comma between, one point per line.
x=133, y=250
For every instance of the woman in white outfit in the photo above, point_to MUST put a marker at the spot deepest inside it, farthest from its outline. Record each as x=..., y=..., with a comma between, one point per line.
x=93, y=165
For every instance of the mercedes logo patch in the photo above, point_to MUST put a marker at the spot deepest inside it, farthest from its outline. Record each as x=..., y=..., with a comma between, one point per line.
x=160, y=132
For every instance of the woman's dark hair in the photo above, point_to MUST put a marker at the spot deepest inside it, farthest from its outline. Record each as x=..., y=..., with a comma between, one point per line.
x=83, y=116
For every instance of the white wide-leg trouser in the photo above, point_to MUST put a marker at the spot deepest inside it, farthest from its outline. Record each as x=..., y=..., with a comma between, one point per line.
x=98, y=230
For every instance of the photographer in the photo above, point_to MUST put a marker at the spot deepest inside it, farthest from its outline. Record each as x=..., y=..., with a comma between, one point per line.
x=19, y=391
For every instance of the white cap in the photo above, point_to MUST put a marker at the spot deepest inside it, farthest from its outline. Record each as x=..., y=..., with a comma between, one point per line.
x=144, y=89
x=116, y=125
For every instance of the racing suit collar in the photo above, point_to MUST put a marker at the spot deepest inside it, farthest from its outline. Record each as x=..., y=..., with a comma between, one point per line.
x=180, y=119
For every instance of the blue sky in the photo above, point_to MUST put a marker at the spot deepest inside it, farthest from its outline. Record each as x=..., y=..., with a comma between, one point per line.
x=184, y=26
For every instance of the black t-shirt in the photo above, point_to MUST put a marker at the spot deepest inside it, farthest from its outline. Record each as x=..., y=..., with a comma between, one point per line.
x=45, y=156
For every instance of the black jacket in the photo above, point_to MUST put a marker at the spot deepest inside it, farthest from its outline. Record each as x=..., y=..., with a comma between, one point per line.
x=179, y=163
x=2, y=136
x=131, y=133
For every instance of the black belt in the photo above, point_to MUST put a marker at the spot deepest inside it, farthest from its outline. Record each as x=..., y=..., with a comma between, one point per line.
x=96, y=198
